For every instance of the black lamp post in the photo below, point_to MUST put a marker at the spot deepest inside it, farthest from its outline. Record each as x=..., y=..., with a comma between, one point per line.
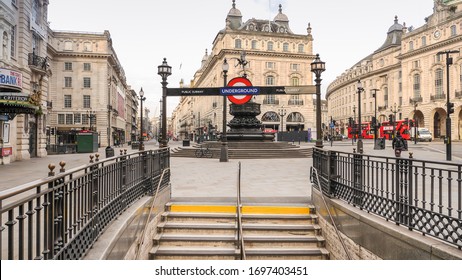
x=449, y=105
x=375, y=115
x=354, y=128
x=360, y=89
x=394, y=110
x=224, y=140
x=282, y=112
x=414, y=103
x=317, y=67
x=91, y=116
x=164, y=70
x=142, y=98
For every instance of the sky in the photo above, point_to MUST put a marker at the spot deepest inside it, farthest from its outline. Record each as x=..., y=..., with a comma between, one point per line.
x=145, y=31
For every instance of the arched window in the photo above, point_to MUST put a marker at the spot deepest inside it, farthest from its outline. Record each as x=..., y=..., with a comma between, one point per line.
x=254, y=44
x=270, y=80
x=270, y=117
x=36, y=11
x=285, y=47
x=295, y=117
x=416, y=85
x=460, y=72
x=301, y=48
x=411, y=45
x=385, y=96
x=453, y=30
x=238, y=44
x=439, y=82
x=424, y=41
x=295, y=81
x=270, y=46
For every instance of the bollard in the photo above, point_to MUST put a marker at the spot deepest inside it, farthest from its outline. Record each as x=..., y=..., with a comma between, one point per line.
x=97, y=157
x=411, y=155
x=91, y=158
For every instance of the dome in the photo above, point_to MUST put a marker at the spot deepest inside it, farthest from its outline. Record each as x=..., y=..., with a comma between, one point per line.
x=396, y=26
x=234, y=12
x=281, y=16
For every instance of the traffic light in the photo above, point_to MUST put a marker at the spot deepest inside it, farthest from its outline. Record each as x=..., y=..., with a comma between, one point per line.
x=52, y=131
x=350, y=121
x=390, y=118
x=450, y=108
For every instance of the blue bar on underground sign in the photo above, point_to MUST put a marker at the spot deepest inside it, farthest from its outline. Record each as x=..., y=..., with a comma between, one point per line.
x=239, y=91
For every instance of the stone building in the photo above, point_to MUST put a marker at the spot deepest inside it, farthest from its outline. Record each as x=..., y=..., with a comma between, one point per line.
x=24, y=75
x=408, y=75
x=89, y=90
x=276, y=57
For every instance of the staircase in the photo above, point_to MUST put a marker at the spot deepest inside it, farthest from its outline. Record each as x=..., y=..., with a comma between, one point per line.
x=201, y=231
x=248, y=150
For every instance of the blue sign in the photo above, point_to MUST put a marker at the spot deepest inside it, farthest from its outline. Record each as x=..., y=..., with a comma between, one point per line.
x=239, y=91
x=332, y=125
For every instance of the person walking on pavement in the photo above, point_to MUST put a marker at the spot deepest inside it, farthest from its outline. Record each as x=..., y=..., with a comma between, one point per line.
x=399, y=144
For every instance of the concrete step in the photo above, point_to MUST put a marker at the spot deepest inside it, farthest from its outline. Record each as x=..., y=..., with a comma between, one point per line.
x=283, y=241
x=196, y=228
x=280, y=229
x=177, y=217
x=287, y=254
x=191, y=240
x=192, y=253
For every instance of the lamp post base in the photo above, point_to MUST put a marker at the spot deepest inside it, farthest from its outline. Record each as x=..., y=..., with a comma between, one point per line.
x=224, y=152
x=359, y=146
x=319, y=144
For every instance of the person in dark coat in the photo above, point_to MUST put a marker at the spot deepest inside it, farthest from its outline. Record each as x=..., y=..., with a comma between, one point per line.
x=398, y=144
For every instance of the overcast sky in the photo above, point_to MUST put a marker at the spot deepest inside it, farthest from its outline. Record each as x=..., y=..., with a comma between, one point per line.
x=146, y=31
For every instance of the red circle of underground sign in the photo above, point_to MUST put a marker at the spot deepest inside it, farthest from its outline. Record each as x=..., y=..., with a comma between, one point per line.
x=239, y=82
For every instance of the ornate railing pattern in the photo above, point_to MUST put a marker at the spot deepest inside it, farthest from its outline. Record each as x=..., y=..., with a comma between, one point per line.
x=425, y=196
x=61, y=216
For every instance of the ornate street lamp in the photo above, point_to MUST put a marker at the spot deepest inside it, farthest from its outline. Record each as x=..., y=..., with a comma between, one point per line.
x=224, y=140
x=142, y=98
x=394, y=110
x=449, y=105
x=282, y=112
x=164, y=70
x=317, y=67
x=414, y=103
x=360, y=89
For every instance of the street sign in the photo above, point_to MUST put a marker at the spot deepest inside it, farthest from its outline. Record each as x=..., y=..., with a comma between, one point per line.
x=241, y=83
x=241, y=90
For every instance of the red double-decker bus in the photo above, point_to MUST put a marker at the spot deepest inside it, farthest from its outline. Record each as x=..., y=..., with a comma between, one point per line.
x=386, y=130
x=367, y=131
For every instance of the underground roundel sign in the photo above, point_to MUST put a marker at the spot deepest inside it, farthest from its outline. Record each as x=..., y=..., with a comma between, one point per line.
x=240, y=82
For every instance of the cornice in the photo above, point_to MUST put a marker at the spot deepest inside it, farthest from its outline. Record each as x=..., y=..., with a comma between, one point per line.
x=439, y=45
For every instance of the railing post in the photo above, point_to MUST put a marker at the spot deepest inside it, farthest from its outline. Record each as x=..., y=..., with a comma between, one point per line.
x=123, y=179
x=332, y=172
x=358, y=180
x=94, y=200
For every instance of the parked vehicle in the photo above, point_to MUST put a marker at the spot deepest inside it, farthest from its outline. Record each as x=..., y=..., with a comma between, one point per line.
x=423, y=134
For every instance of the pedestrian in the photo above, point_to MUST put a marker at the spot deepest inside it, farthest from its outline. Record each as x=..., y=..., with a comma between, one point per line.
x=399, y=144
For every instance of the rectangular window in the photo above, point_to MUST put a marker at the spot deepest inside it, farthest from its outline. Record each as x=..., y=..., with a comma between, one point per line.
x=424, y=41
x=439, y=82
x=86, y=101
x=77, y=118
x=269, y=80
x=416, y=86
x=453, y=30
x=301, y=48
x=85, y=119
x=295, y=67
x=69, y=118
x=13, y=41
x=87, y=67
x=61, y=118
x=67, y=101
x=68, y=66
x=68, y=82
x=87, y=82
x=270, y=65
x=416, y=64
x=438, y=58
x=285, y=47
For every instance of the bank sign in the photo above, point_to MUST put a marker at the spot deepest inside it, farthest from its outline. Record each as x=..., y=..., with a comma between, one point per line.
x=10, y=78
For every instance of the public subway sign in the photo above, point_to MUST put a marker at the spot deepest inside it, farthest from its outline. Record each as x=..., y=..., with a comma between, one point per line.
x=10, y=78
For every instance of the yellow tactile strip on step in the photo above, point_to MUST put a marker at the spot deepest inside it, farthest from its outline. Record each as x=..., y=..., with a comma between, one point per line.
x=245, y=209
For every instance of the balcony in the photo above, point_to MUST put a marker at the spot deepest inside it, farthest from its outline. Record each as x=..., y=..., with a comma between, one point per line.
x=438, y=97
x=382, y=108
x=38, y=64
x=415, y=100
x=458, y=93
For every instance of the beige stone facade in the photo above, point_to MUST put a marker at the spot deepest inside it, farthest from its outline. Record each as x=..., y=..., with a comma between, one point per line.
x=276, y=56
x=23, y=58
x=89, y=90
x=408, y=71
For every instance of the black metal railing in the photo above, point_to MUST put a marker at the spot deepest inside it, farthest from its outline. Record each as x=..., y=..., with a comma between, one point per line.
x=270, y=102
x=60, y=217
x=425, y=196
x=295, y=102
x=38, y=62
x=438, y=97
x=458, y=93
x=415, y=99
x=53, y=149
x=240, y=235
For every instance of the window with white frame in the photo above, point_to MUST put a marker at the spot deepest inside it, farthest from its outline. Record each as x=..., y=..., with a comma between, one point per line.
x=453, y=30
x=438, y=58
x=270, y=46
x=87, y=82
x=416, y=63
x=295, y=81
x=13, y=41
x=301, y=48
x=416, y=85
x=270, y=80
x=85, y=119
x=238, y=44
x=61, y=118
x=411, y=45
x=254, y=44
x=67, y=101
x=424, y=41
x=295, y=67
x=67, y=66
x=87, y=67
x=77, y=118
x=270, y=65
x=86, y=101
x=36, y=11
x=68, y=82
x=285, y=47
x=439, y=82
x=69, y=118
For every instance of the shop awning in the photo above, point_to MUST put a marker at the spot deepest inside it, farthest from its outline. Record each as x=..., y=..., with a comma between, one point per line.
x=14, y=103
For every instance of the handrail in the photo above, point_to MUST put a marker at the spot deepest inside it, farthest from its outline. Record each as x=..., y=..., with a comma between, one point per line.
x=240, y=237
x=141, y=242
x=314, y=170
